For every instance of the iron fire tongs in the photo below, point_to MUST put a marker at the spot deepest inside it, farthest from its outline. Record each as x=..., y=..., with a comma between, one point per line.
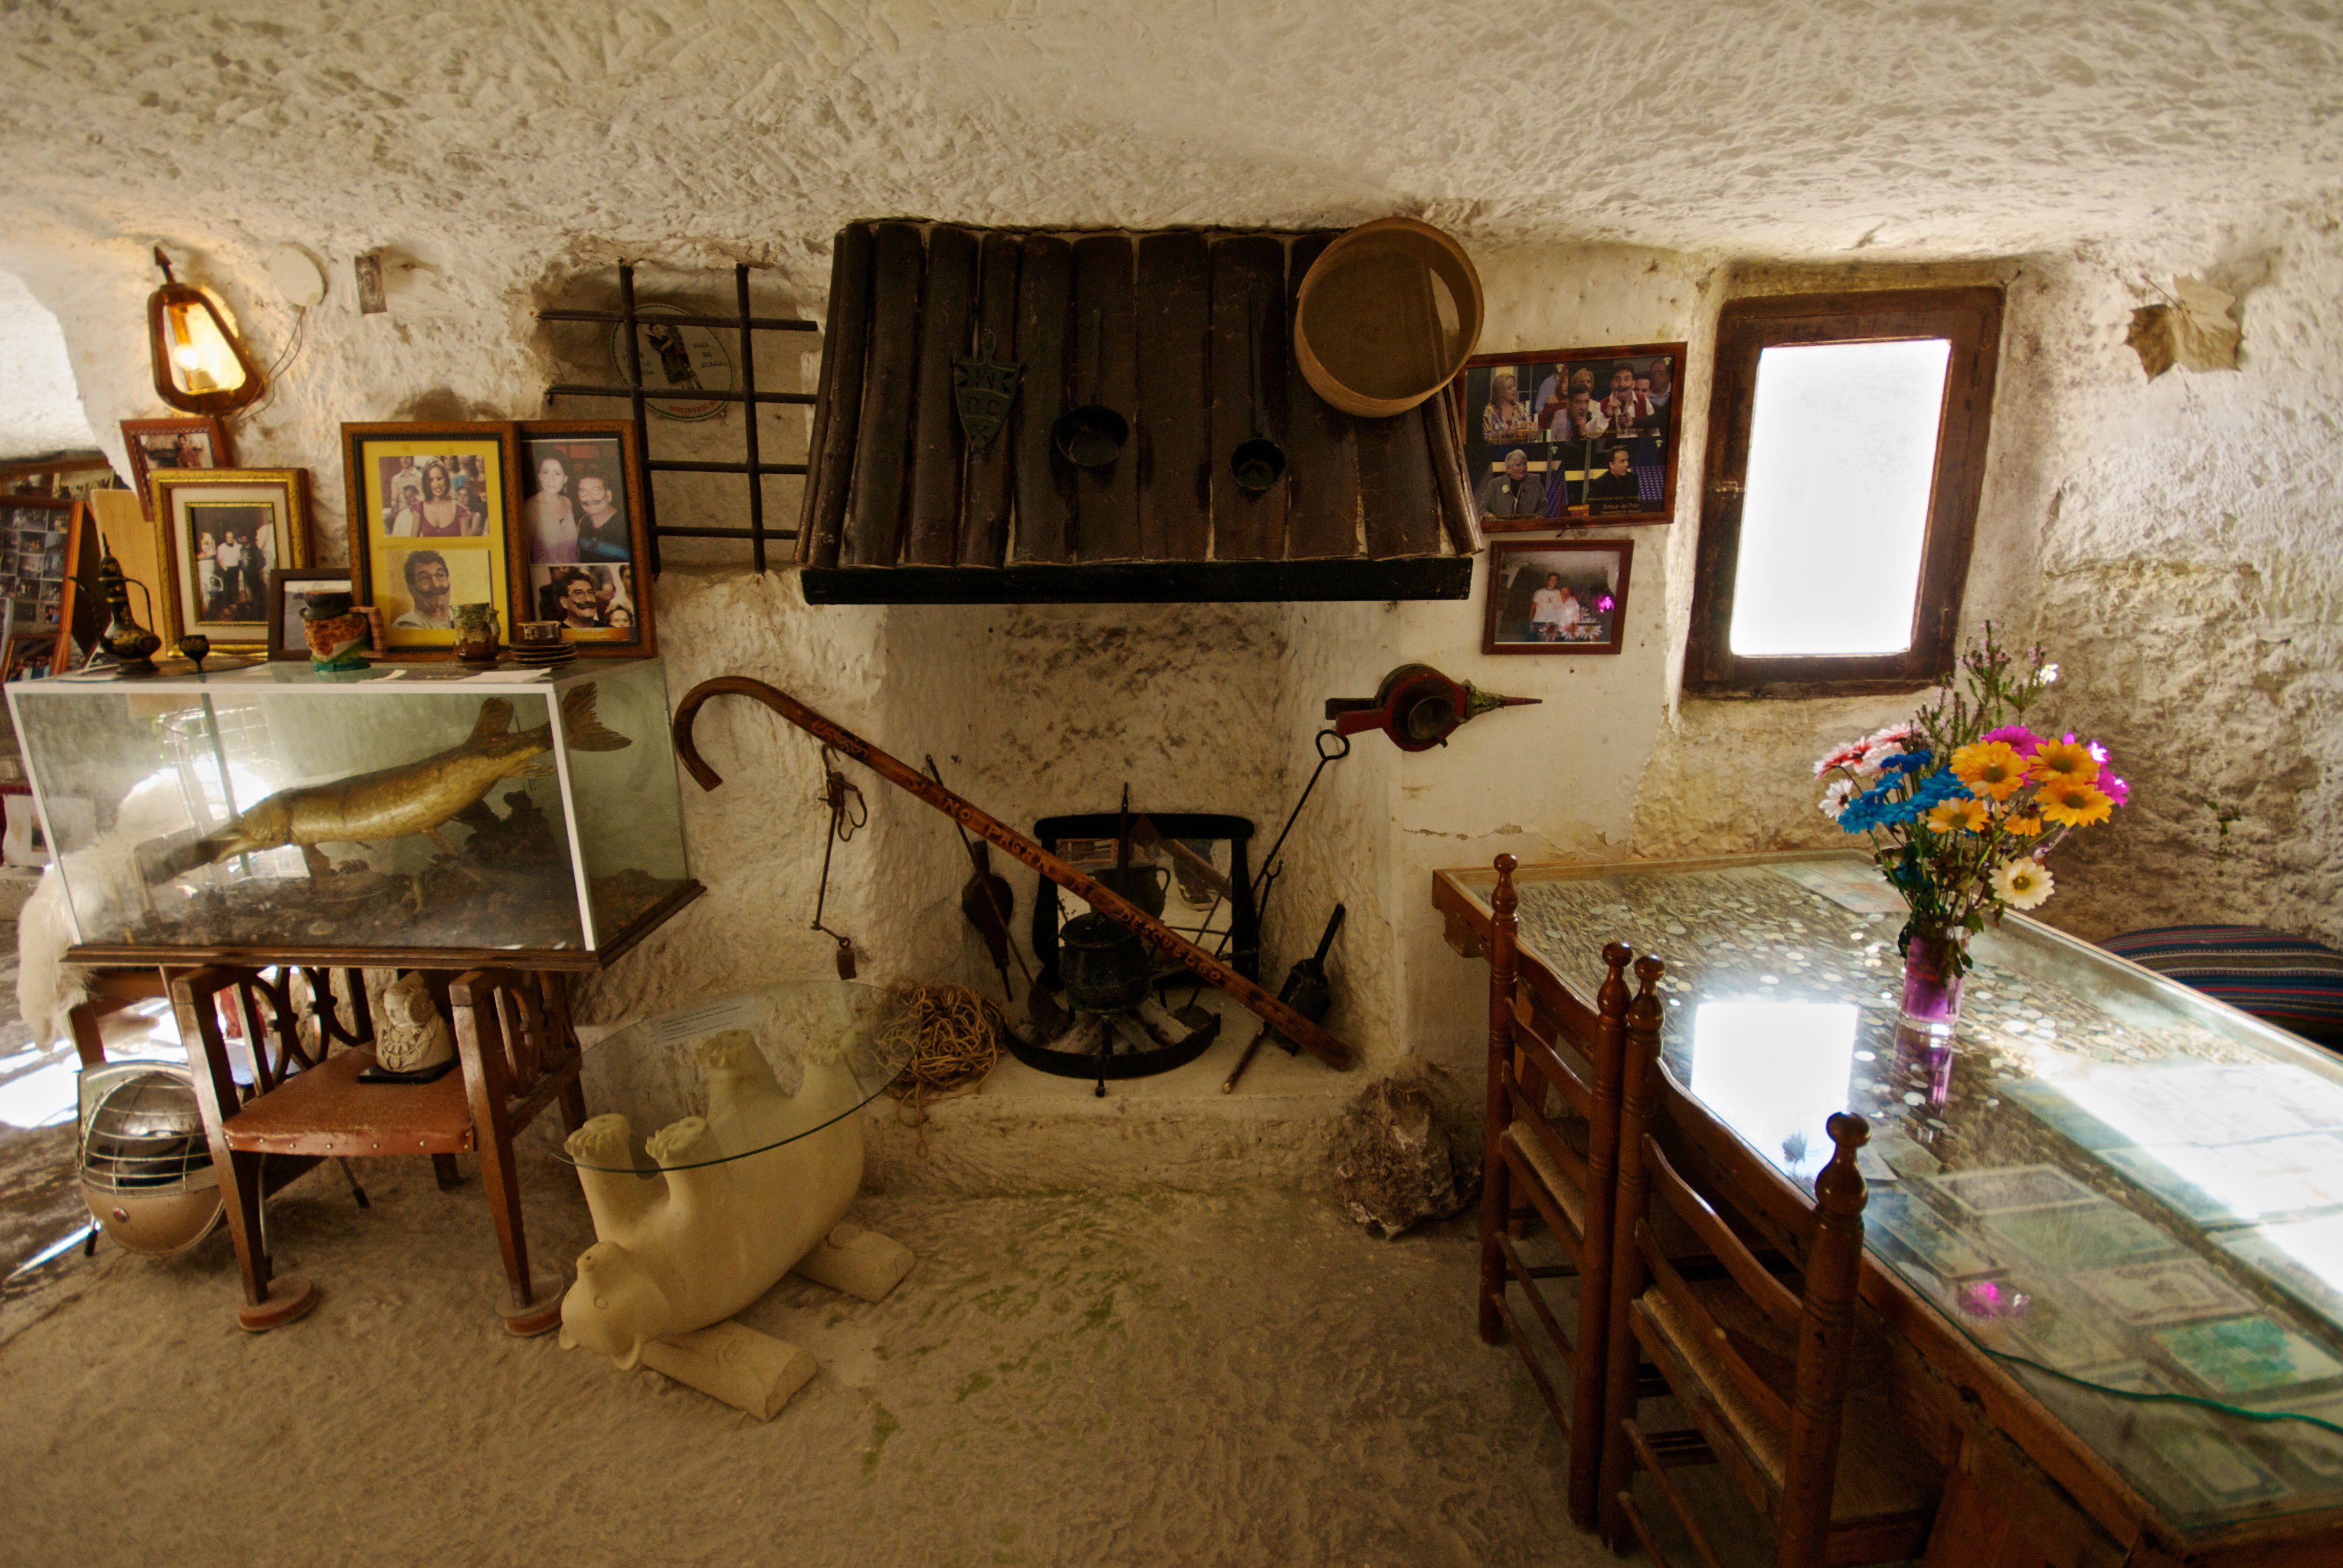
x=1292, y=1025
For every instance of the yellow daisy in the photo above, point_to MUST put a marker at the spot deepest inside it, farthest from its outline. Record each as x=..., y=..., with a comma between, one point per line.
x=2074, y=804
x=1957, y=817
x=1991, y=768
x=2024, y=827
x=2022, y=883
x=2065, y=761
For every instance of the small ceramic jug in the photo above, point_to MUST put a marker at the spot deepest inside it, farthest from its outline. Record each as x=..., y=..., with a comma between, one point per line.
x=477, y=633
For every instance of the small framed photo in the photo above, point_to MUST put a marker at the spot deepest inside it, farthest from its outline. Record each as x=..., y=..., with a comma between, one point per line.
x=219, y=532
x=1568, y=435
x=29, y=658
x=582, y=540
x=432, y=525
x=185, y=443
x=289, y=589
x=1555, y=596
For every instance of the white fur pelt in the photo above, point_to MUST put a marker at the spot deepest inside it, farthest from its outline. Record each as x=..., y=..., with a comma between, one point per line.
x=107, y=874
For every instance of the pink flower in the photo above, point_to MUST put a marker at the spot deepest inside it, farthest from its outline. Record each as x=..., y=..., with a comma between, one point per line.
x=1846, y=756
x=2098, y=753
x=2114, y=788
x=2022, y=739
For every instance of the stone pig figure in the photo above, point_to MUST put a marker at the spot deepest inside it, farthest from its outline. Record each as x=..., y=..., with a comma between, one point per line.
x=708, y=1235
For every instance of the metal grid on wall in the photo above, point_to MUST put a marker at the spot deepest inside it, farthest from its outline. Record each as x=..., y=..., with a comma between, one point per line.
x=752, y=465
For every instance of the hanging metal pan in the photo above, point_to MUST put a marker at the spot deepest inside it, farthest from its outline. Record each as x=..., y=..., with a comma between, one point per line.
x=1260, y=462
x=1091, y=435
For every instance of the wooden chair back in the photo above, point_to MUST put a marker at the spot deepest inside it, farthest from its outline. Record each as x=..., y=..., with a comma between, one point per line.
x=512, y=1029
x=1552, y=1056
x=1814, y=1310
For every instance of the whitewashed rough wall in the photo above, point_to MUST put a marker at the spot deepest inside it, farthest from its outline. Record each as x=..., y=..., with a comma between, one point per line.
x=40, y=409
x=509, y=156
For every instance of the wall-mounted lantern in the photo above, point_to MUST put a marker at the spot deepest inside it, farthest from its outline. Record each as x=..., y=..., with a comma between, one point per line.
x=200, y=364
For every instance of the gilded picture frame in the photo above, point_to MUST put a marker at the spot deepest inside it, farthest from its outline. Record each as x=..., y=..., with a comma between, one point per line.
x=220, y=533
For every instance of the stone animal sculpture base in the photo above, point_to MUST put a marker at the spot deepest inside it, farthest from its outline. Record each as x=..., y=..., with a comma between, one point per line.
x=682, y=1249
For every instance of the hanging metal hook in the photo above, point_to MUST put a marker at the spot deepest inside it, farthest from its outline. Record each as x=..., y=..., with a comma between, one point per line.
x=848, y=812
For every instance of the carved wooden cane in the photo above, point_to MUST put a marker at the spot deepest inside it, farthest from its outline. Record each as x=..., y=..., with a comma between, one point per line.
x=1283, y=1018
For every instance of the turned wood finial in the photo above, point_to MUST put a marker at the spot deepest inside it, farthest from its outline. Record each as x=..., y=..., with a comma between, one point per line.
x=1648, y=971
x=1839, y=1187
x=1504, y=901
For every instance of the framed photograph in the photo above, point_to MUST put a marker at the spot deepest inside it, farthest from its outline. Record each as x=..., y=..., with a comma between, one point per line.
x=29, y=658
x=219, y=532
x=1571, y=436
x=433, y=524
x=1555, y=596
x=289, y=589
x=582, y=542
x=184, y=443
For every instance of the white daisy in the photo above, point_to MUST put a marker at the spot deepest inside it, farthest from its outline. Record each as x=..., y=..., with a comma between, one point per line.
x=2023, y=883
x=1836, y=798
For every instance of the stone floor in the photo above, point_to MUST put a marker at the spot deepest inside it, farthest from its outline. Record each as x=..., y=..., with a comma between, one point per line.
x=1236, y=1376
x=1087, y=1378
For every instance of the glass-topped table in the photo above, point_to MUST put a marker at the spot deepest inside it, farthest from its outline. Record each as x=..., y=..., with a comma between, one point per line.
x=832, y=1047
x=2124, y=1194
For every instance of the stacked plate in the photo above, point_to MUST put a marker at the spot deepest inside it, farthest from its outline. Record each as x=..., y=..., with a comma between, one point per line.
x=544, y=656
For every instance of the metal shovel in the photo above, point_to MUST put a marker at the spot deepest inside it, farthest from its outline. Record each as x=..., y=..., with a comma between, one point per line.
x=1305, y=991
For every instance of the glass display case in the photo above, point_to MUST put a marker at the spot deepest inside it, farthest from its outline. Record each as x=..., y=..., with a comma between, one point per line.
x=404, y=807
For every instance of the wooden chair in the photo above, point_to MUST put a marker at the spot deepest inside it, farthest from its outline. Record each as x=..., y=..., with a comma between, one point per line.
x=518, y=1054
x=1753, y=1342
x=1553, y=1139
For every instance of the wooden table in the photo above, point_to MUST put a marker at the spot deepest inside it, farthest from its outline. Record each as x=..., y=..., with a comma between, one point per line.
x=2113, y=1187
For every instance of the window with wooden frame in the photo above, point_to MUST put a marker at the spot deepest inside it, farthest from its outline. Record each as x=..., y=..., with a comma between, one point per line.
x=1846, y=445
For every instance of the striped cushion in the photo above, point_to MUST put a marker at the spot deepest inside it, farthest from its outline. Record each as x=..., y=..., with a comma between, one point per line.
x=2289, y=981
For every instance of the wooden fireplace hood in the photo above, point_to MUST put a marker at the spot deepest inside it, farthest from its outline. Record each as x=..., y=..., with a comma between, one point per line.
x=901, y=507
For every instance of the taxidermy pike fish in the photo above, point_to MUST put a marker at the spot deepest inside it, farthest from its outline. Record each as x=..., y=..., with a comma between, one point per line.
x=410, y=799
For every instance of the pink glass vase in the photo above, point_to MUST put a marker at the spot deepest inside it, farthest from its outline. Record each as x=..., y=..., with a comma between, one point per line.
x=1931, y=1009
x=1929, y=1017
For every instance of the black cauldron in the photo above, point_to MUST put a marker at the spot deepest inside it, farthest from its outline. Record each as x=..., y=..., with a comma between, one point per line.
x=1104, y=965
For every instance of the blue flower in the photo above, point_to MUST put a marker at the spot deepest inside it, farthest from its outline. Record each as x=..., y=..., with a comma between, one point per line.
x=1937, y=787
x=1908, y=762
x=1873, y=809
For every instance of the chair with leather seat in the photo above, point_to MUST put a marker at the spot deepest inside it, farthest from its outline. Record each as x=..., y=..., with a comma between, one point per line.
x=518, y=1054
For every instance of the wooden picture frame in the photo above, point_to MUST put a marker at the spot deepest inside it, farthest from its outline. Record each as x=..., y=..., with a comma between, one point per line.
x=149, y=441
x=1589, y=611
x=285, y=638
x=1570, y=474
x=415, y=557
x=261, y=515
x=553, y=545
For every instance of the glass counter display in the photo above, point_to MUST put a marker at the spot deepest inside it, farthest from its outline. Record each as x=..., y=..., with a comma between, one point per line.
x=399, y=808
x=2124, y=1193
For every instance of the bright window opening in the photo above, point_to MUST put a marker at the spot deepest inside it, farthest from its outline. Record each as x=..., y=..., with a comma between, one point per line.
x=1834, y=513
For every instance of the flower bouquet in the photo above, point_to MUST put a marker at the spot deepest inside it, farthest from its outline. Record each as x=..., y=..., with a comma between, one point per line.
x=1964, y=805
